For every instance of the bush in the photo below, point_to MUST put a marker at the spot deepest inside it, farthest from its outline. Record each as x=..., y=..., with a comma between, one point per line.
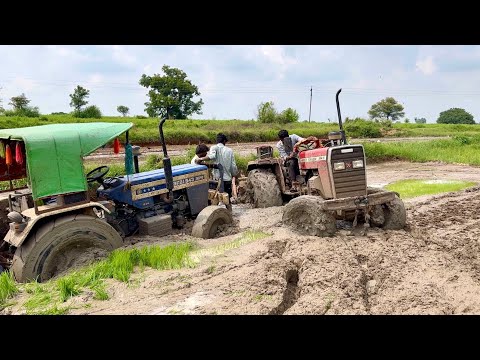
x=90, y=112
x=141, y=117
x=455, y=116
x=27, y=112
x=362, y=129
x=58, y=113
x=288, y=115
x=462, y=140
x=266, y=112
x=386, y=123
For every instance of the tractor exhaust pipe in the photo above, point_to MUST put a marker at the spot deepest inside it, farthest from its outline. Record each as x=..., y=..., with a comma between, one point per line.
x=344, y=139
x=167, y=164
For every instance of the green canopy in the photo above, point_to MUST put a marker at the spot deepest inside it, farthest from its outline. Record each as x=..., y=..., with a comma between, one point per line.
x=54, y=153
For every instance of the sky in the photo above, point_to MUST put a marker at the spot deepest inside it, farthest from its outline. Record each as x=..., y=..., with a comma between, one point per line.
x=234, y=79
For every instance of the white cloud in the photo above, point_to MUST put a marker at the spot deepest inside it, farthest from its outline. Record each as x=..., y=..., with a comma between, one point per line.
x=68, y=52
x=276, y=54
x=121, y=55
x=426, y=66
x=95, y=79
x=23, y=85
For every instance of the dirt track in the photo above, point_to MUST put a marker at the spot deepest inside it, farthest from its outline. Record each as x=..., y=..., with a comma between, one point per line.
x=242, y=149
x=431, y=267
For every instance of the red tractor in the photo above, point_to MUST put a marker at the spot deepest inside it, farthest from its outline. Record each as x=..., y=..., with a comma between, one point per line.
x=332, y=185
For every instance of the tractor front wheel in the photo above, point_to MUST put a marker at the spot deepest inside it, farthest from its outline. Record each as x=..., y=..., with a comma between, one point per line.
x=395, y=215
x=389, y=216
x=208, y=221
x=305, y=215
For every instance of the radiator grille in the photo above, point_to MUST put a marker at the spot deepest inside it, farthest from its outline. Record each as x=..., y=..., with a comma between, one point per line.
x=349, y=182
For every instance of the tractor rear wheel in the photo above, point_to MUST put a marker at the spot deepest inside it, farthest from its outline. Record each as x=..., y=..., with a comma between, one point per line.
x=209, y=219
x=60, y=243
x=264, y=188
x=305, y=215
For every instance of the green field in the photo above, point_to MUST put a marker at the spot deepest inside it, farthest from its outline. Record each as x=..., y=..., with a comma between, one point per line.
x=459, y=149
x=413, y=187
x=145, y=131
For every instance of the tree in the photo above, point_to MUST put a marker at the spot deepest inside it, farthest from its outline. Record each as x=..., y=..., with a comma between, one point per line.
x=171, y=94
x=288, y=115
x=407, y=120
x=420, y=120
x=455, y=116
x=19, y=103
x=387, y=108
x=266, y=112
x=123, y=110
x=79, y=97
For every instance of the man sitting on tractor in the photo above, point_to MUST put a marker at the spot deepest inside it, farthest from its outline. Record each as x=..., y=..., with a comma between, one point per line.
x=285, y=147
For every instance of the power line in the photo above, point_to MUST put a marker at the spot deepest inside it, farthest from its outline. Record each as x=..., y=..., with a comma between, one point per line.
x=263, y=89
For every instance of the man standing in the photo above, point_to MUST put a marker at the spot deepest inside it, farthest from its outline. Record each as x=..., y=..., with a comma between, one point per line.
x=223, y=155
x=285, y=147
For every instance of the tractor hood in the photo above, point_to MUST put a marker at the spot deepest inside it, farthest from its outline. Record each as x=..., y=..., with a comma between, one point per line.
x=54, y=153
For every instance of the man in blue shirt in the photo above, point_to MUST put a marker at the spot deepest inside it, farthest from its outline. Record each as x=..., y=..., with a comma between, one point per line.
x=285, y=147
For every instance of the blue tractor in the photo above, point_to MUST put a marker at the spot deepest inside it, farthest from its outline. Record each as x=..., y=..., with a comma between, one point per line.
x=153, y=202
x=54, y=218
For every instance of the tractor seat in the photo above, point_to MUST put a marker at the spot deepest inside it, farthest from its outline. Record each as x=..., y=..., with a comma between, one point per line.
x=309, y=143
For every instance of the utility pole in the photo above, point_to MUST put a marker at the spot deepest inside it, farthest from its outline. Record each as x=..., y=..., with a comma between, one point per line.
x=310, y=112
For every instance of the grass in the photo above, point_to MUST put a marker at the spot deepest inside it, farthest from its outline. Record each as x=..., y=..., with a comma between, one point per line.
x=8, y=286
x=145, y=131
x=100, y=292
x=458, y=150
x=49, y=297
x=67, y=287
x=413, y=188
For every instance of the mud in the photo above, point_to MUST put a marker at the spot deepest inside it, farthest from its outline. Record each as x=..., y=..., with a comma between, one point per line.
x=432, y=266
x=306, y=215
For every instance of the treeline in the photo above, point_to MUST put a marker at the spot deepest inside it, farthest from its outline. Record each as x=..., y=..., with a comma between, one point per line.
x=181, y=132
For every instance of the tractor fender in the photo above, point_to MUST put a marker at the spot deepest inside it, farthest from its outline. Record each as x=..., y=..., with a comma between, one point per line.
x=17, y=238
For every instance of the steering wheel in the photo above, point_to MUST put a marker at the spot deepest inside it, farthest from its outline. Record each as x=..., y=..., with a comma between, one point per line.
x=97, y=174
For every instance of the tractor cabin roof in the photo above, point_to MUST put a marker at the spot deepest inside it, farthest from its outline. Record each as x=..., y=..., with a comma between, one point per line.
x=54, y=153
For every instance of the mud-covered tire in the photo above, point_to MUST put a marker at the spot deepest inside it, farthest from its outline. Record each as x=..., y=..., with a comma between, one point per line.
x=209, y=219
x=51, y=248
x=264, y=188
x=395, y=215
x=305, y=215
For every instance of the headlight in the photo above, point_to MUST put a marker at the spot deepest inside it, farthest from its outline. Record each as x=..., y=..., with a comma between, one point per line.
x=339, y=166
x=357, y=164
